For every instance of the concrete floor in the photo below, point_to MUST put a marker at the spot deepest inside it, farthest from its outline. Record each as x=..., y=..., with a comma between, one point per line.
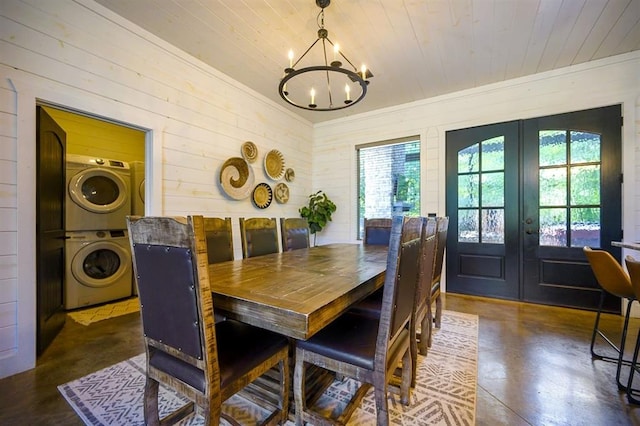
x=534, y=367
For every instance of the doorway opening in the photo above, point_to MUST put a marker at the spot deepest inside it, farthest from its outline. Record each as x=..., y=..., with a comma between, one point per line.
x=90, y=176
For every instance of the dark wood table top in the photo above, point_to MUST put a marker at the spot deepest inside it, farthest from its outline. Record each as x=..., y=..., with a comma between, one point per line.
x=297, y=293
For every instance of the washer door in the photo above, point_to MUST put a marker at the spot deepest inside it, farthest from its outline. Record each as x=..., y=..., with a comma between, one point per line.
x=100, y=264
x=98, y=190
x=141, y=191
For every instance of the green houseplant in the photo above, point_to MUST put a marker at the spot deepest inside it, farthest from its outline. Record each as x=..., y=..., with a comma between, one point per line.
x=318, y=212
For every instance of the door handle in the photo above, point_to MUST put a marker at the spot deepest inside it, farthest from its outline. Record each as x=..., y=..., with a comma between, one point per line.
x=531, y=231
x=63, y=238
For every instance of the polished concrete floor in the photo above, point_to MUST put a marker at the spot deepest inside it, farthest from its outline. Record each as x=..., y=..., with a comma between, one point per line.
x=534, y=367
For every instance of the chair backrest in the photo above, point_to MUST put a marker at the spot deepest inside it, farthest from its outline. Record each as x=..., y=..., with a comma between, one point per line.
x=219, y=239
x=442, y=226
x=427, y=259
x=171, y=269
x=295, y=233
x=633, y=266
x=400, y=283
x=412, y=228
x=259, y=236
x=377, y=231
x=609, y=273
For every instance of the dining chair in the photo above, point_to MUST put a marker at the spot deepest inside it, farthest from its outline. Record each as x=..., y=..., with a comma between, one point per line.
x=613, y=279
x=411, y=228
x=259, y=236
x=365, y=348
x=424, y=228
x=633, y=266
x=442, y=227
x=377, y=231
x=219, y=239
x=295, y=233
x=185, y=349
x=420, y=340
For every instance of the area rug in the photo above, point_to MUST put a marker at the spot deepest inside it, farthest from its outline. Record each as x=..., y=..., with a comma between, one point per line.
x=445, y=393
x=110, y=310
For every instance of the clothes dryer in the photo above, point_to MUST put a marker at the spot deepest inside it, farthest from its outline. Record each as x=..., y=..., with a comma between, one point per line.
x=98, y=267
x=98, y=193
x=137, y=188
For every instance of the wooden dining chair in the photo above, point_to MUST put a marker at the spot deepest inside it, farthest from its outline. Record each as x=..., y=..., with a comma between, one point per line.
x=612, y=279
x=420, y=340
x=442, y=227
x=219, y=239
x=259, y=236
x=633, y=266
x=377, y=231
x=295, y=233
x=185, y=349
x=425, y=229
x=365, y=348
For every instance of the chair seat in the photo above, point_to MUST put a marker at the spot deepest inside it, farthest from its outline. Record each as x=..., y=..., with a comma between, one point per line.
x=241, y=347
x=351, y=338
x=370, y=305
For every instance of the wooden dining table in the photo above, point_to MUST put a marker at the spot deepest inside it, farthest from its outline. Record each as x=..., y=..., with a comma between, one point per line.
x=297, y=293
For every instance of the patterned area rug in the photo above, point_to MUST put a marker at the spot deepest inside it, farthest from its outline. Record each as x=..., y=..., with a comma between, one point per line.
x=103, y=312
x=444, y=395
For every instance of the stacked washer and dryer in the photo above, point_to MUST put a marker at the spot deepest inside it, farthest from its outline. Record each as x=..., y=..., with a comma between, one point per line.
x=98, y=255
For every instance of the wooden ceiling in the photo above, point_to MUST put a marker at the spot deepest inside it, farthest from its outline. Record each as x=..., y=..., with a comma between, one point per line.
x=416, y=49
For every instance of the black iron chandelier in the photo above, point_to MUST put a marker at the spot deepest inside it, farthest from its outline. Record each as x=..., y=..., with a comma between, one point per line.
x=328, y=86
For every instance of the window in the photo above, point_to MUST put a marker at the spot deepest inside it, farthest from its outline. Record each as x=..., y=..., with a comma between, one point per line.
x=388, y=179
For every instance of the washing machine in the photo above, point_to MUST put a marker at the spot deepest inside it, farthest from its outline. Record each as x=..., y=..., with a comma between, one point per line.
x=98, y=267
x=98, y=193
x=137, y=188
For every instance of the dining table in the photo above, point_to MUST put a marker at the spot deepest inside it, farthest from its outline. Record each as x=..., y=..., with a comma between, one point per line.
x=297, y=293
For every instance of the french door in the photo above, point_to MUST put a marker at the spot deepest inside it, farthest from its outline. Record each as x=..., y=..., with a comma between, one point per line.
x=524, y=198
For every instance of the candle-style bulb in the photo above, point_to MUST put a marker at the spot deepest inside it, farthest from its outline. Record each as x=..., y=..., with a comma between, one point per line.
x=364, y=72
x=336, y=51
x=313, y=95
x=290, y=58
x=347, y=91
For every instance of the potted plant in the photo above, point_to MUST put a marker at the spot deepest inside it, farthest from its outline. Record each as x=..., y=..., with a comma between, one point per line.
x=318, y=212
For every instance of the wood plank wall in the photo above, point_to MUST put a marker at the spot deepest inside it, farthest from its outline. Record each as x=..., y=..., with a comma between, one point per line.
x=77, y=54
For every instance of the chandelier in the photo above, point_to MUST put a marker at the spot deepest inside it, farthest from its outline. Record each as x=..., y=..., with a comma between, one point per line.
x=326, y=86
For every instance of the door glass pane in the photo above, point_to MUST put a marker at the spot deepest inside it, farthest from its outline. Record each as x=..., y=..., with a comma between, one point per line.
x=493, y=154
x=468, y=226
x=585, y=227
x=553, y=227
x=493, y=189
x=553, y=147
x=585, y=147
x=469, y=159
x=576, y=195
x=481, y=184
x=468, y=191
x=585, y=185
x=553, y=186
x=493, y=226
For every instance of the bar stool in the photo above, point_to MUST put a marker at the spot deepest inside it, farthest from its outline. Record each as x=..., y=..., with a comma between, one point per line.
x=633, y=266
x=613, y=279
